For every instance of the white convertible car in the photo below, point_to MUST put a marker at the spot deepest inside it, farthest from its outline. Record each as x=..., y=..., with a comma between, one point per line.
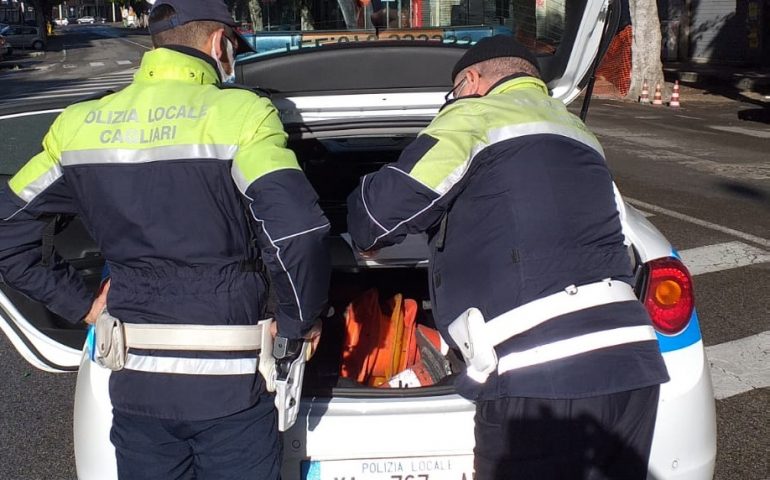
x=350, y=102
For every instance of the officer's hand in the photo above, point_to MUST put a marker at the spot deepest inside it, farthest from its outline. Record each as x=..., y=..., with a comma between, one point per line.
x=99, y=304
x=273, y=329
x=369, y=254
x=314, y=335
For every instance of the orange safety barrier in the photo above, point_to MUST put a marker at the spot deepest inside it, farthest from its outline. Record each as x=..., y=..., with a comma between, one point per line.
x=615, y=67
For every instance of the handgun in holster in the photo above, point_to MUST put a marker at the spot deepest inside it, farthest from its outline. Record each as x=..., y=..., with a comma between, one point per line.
x=286, y=376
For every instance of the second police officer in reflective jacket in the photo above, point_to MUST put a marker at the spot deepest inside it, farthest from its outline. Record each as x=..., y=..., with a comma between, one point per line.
x=524, y=230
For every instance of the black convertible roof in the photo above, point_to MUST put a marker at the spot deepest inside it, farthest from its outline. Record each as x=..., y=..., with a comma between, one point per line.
x=380, y=66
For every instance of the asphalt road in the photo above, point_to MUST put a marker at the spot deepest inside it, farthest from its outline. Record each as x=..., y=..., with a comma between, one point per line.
x=710, y=170
x=76, y=56
x=701, y=173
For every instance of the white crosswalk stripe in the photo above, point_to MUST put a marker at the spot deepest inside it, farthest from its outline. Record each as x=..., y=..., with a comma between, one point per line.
x=118, y=74
x=722, y=256
x=77, y=88
x=764, y=133
x=696, y=221
x=81, y=89
x=740, y=365
x=82, y=93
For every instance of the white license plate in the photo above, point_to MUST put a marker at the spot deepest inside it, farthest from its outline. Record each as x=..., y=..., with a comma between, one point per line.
x=455, y=467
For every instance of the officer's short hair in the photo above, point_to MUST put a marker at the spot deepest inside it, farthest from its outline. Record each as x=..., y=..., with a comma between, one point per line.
x=502, y=67
x=190, y=34
x=509, y=65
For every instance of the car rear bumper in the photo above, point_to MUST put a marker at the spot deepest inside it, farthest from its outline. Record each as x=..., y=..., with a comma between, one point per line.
x=94, y=453
x=378, y=428
x=684, y=445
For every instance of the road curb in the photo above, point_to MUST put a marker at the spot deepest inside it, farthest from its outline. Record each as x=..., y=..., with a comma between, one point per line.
x=743, y=80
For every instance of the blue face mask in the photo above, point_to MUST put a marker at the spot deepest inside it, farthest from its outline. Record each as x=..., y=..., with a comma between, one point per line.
x=226, y=78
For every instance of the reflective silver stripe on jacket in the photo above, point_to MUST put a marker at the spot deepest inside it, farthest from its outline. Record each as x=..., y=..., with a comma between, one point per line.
x=509, y=132
x=223, y=338
x=477, y=338
x=575, y=346
x=146, y=155
x=572, y=299
x=497, y=135
x=37, y=186
x=256, y=338
x=192, y=366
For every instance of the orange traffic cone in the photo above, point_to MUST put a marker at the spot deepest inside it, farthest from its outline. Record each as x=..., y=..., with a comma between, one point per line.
x=675, y=96
x=645, y=98
x=658, y=100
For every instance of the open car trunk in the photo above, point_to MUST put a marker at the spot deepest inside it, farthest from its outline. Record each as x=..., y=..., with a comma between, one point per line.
x=334, y=164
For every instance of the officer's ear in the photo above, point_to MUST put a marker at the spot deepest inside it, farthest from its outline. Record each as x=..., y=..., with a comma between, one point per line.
x=216, y=45
x=474, y=84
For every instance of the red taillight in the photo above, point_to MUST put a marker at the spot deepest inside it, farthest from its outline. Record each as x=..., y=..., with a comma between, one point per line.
x=669, y=295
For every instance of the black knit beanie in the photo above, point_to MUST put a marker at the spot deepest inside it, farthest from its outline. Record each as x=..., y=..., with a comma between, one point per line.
x=493, y=47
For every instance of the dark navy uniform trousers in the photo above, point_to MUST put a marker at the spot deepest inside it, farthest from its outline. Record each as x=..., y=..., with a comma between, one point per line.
x=239, y=446
x=607, y=437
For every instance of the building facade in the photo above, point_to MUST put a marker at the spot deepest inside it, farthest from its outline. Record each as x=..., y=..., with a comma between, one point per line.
x=15, y=11
x=716, y=31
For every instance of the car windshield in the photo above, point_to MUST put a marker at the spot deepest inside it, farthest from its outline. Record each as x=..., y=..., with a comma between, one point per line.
x=538, y=24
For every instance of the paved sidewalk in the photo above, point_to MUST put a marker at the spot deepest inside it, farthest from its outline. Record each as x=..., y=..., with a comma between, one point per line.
x=705, y=83
x=730, y=79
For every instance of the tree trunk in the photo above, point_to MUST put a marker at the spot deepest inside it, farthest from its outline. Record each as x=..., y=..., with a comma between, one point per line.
x=42, y=13
x=645, y=48
x=255, y=12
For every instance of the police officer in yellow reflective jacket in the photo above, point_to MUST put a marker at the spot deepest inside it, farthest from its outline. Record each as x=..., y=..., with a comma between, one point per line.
x=188, y=188
x=530, y=278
